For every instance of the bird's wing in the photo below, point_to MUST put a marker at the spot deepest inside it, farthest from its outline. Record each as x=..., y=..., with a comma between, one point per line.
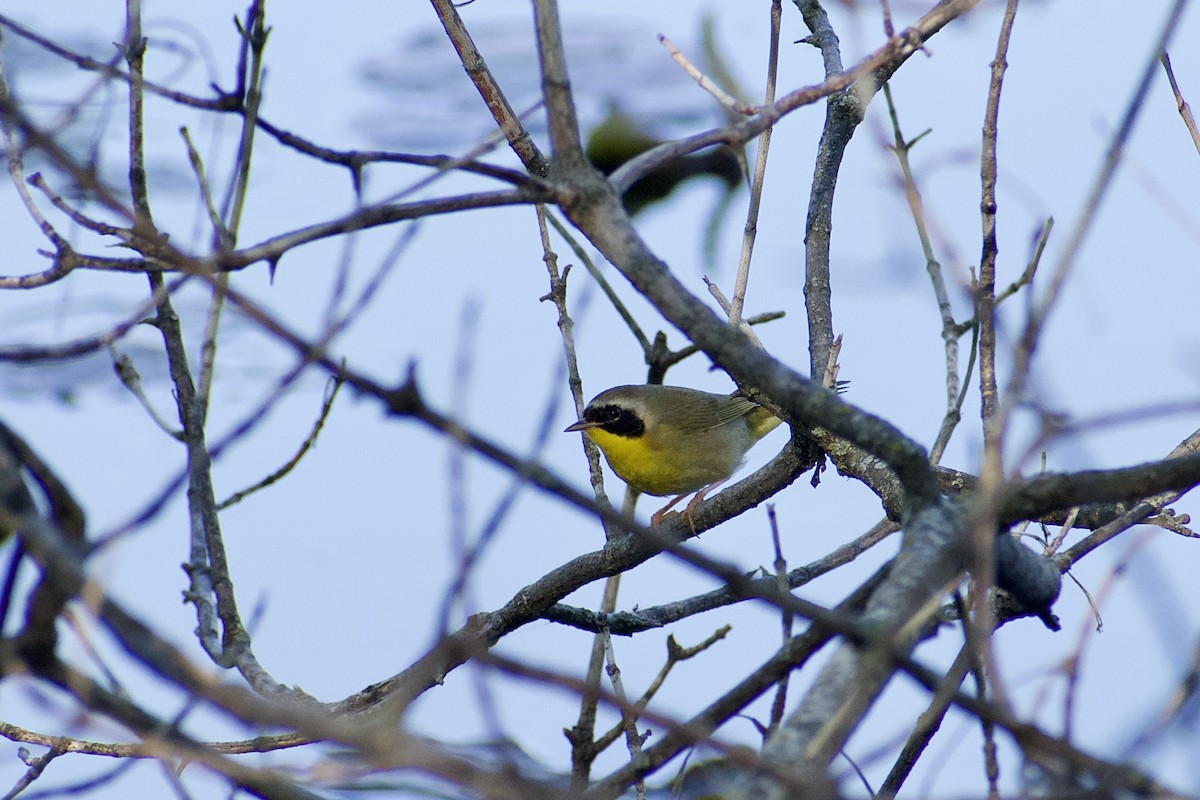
x=734, y=408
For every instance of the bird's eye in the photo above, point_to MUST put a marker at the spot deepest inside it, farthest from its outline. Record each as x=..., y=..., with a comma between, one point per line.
x=603, y=415
x=616, y=420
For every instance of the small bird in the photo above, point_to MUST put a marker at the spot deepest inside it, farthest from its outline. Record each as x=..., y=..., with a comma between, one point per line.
x=619, y=139
x=669, y=440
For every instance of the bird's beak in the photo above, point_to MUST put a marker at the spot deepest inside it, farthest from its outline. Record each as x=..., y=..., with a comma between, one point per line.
x=581, y=425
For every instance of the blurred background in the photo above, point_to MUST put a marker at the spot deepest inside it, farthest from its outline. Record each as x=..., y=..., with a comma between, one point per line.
x=344, y=566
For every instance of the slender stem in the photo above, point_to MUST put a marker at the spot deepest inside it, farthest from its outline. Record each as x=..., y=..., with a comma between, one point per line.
x=760, y=171
x=991, y=482
x=1185, y=110
x=514, y=131
x=954, y=393
x=556, y=88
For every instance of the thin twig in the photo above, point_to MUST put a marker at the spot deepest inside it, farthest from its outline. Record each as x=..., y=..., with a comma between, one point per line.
x=628, y=623
x=506, y=119
x=994, y=422
x=584, y=747
x=601, y=281
x=1026, y=277
x=727, y=307
x=1185, y=110
x=674, y=357
x=331, y=390
x=676, y=654
x=750, y=231
x=720, y=95
x=926, y=726
x=633, y=739
x=203, y=185
x=13, y=155
x=131, y=379
x=1146, y=508
x=557, y=93
x=954, y=394
x=36, y=766
x=225, y=232
x=786, y=620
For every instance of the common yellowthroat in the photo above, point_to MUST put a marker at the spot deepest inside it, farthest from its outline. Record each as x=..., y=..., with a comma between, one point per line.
x=668, y=440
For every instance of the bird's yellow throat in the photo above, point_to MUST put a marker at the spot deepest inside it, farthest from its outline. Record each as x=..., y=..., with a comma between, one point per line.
x=635, y=458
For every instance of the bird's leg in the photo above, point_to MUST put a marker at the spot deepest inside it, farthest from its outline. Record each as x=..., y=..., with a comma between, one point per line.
x=665, y=511
x=697, y=500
